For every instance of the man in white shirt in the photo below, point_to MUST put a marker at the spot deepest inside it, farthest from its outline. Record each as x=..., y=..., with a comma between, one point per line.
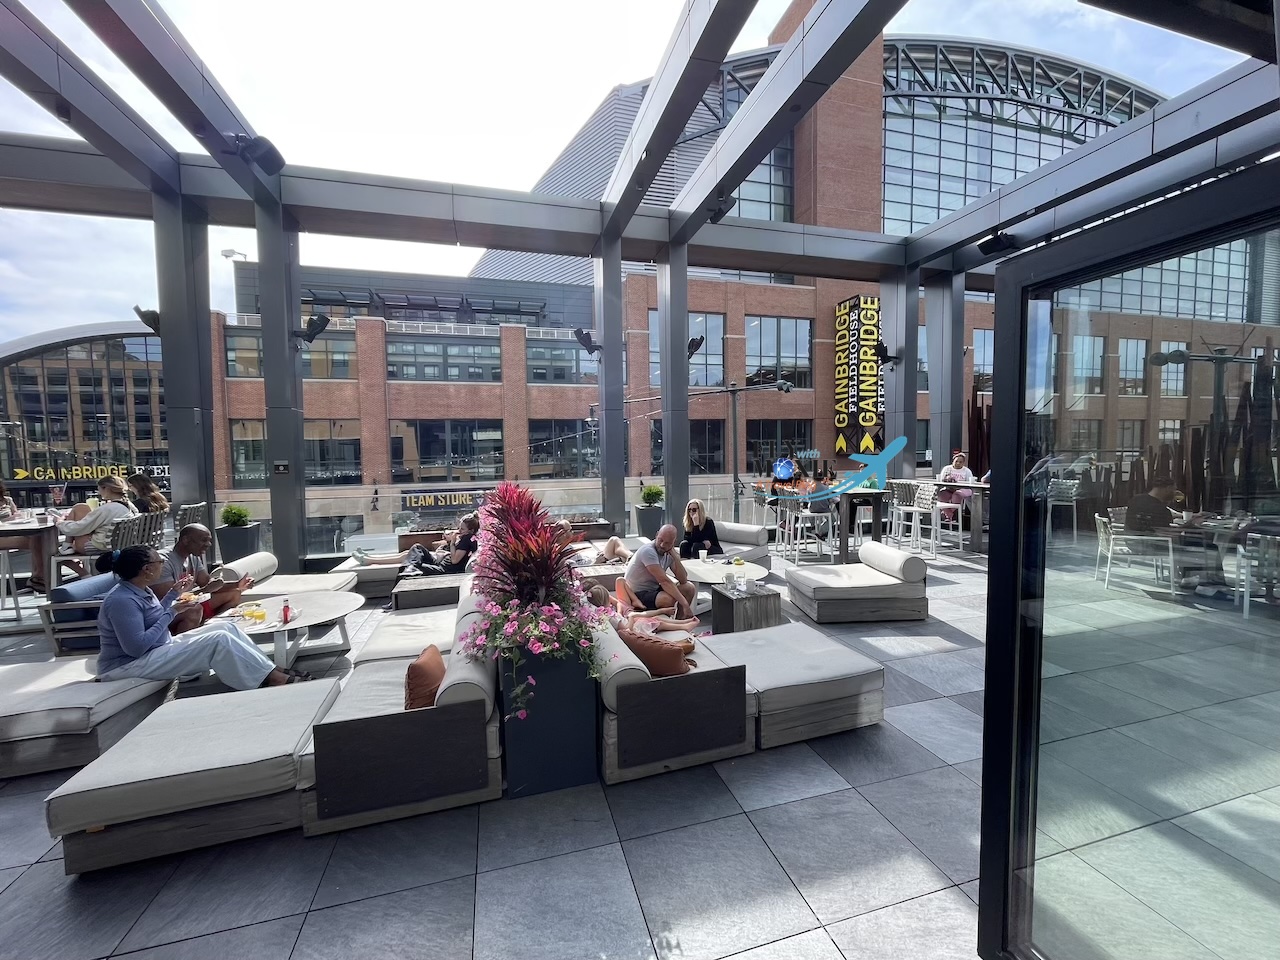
x=649, y=575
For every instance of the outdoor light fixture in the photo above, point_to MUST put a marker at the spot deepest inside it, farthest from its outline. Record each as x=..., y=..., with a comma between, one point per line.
x=999, y=242
x=62, y=110
x=1164, y=359
x=260, y=151
x=695, y=344
x=317, y=323
x=883, y=354
x=588, y=344
x=724, y=203
x=783, y=386
x=232, y=254
x=149, y=317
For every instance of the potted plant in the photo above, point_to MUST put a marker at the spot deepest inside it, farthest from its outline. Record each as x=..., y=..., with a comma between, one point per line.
x=237, y=536
x=649, y=510
x=537, y=623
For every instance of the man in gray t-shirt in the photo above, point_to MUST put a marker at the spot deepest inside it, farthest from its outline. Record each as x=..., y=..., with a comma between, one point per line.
x=187, y=557
x=648, y=576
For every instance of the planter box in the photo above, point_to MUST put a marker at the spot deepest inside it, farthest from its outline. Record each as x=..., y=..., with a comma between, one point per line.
x=556, y=745
x=649, y=520
x=237, y=542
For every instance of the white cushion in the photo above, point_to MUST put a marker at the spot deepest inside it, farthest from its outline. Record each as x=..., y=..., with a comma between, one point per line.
x=618, y=665
x=193, y=753
x=406, y=633
x=258, y=565
x=291, y=583
x=466, y=679
x=850, y=581
x=896, y=563
x=61, y=697
x=368, y=572
x=749, y=554
x=793, y=664
x=745, y=533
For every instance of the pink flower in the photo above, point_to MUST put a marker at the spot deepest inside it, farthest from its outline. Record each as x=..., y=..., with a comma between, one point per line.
x=535, y=647
x=522, y=714
x=584, y=643
x=533, y=682
x=510, y=628
x=555, y=646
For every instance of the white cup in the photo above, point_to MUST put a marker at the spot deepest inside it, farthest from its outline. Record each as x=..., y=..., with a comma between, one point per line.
x=702, y=554
x=1187, y=515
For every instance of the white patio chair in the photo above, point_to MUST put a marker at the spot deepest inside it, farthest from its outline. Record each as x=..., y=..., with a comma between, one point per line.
x=1062, y=493
x=1130, y=547
x=1258, y=563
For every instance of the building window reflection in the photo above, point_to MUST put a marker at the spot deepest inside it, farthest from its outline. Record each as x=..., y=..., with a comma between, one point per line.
x=446, y=451
x=779, y=348
x=706, y=368
x=248, y=454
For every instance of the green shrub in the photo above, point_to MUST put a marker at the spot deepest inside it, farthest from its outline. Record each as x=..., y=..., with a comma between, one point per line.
x=651, y=494
x=233, y=516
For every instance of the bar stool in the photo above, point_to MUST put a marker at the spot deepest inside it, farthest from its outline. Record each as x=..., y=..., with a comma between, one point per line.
x=925, y=505
x=1062, y=493
x=8, y=582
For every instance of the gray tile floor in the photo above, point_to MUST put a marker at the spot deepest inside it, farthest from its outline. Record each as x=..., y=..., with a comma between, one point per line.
x=1159, y=816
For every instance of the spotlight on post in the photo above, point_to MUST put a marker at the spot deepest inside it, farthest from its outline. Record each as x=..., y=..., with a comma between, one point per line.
x=783, y=386
x=317, y=323
x=723, y=203
x=150, y=317
x=695, y=344
x=588, y=344
x=997, y=243
x=262, y=152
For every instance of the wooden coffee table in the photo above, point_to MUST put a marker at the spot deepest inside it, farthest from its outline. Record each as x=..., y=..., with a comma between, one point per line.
x=734, y=610
x=309, y=610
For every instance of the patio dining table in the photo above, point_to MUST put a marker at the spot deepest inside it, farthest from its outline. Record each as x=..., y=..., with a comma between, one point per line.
x=977, y=509
x=39, y=527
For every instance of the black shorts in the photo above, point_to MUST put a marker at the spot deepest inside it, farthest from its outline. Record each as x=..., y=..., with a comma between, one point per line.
x=648, y=596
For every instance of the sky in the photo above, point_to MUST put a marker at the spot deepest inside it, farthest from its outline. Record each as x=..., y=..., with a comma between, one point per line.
x=486, y=92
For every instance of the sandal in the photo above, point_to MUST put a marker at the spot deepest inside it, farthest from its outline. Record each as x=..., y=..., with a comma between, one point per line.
x=296, y=678
x=300, y=674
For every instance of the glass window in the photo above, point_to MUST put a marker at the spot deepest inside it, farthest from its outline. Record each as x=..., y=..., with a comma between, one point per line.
x=983, y=360
x=475, y=361
x=331, y=357
x=563, y=448
x=706, y=368
x=1086, y=435
x=767, y=440
x=1170, y=431
x=1087, y=364
x=244, y=355
x=706, y=446
x=332, y=452
x=248, y=453
x=779, y=348
x=446, y=451
x=1173, y=376
x=1129, y=436
x=550, y=361
x=1133, y=368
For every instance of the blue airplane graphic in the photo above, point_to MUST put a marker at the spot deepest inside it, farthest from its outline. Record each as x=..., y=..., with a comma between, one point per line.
x=877, y=465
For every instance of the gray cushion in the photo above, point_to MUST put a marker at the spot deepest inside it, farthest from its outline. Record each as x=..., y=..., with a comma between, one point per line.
x=793, y=665
x=742, y=533
x=78, y=591
x=466, y=679
x=290, y=583
x=260, y=566
x=618, y=665
x=892, y=561
x=193, y=753
x=749, y=554
x=850, y=581
x=369, y=572
x=61, y=697
x=406, y=633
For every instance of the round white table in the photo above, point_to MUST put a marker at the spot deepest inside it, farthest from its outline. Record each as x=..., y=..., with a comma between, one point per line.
x=307, y=610
x=714, y=571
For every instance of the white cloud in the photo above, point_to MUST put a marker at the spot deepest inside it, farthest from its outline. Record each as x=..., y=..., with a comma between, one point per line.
x=486, y=93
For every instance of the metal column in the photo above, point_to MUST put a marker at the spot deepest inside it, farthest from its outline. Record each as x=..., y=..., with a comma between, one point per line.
x=673, y=320
x=944, y=324
x=608, y=316
x=900, y=321
x=282, y=373
x=182, y=275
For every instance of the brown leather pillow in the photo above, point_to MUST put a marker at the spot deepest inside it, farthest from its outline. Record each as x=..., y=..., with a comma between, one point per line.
x=423, y=679
x=661, y=658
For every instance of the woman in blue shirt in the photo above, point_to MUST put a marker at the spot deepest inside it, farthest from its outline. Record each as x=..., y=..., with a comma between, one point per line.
x=134, y=627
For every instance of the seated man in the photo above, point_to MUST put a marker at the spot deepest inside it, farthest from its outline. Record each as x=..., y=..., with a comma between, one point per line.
x=1195, y=553
x=1148, y=512
x=648, y=580
x=614, y=550
x=186, y=559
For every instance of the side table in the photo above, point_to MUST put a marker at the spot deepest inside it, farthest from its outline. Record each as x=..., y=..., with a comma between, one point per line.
x=734, y=610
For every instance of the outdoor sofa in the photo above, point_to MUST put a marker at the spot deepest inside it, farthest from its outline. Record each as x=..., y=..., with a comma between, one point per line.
x=887, y=584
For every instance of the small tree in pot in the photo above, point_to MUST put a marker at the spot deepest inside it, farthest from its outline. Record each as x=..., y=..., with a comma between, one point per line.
x=237, y=536
x=649, y=510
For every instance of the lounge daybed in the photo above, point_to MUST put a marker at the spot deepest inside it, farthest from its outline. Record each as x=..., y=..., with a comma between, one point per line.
x=53, y=714
x=760, y=688
x=888, y=584
x=267, y=583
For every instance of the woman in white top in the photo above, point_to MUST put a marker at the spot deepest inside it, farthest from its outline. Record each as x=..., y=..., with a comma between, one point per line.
x=957, y=472
x=88, y=530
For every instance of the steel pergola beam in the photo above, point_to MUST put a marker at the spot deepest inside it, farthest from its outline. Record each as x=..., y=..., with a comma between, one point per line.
x=149, y=44
x=693, y=59
x=1236, y=26
x=832, y=36
x=35, y=62
x=1236, y=97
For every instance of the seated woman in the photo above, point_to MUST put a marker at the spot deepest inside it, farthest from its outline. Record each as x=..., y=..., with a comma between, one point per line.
x=449, y=555
x=134, y=627
x=957, y=472
x=88, y=529
x=613, y=551
x=699, y=532
x=146, y=495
